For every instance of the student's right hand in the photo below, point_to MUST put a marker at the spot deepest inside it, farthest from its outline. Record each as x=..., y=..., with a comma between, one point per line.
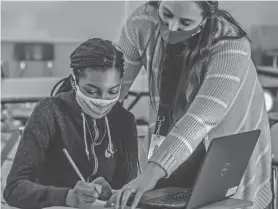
x=83, y=195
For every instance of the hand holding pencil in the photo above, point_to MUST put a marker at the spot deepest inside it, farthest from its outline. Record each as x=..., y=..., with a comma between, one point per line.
x=84, y=194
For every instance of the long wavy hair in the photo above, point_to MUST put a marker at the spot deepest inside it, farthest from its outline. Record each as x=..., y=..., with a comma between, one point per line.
x=197, y=51
x=98, y=54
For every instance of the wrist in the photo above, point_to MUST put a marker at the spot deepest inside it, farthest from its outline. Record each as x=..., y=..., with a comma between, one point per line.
x=155, y=171
x=69, y=198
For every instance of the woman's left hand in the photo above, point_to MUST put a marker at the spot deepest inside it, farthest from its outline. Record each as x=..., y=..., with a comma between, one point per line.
x=145, y=182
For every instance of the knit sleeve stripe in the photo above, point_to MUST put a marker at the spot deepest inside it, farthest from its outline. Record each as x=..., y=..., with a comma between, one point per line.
x=145, y=18
x=208, y=127
x=242, y=122
x=132, y=62
x=248, y=183
x=225, y=76
x=183, y=140
x=128, y=81
x=218, y=101
x=261, y=116
x=199, y=120
x=234, y=52
x=265, y=150
x=239, y=89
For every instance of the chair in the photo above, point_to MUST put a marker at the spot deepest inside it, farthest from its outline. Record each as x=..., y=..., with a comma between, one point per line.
x=274, y=170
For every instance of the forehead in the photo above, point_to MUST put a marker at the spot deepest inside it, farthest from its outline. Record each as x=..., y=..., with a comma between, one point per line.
x=183, y=9
x=101, y=78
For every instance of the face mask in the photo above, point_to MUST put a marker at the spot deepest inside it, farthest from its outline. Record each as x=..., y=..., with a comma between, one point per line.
x=96, y=108
x=173, y=37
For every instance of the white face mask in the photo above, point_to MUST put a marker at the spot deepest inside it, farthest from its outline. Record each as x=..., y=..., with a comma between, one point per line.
x=96, y=108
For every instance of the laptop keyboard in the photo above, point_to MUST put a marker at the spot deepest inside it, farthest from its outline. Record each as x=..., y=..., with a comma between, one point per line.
x=172, y=199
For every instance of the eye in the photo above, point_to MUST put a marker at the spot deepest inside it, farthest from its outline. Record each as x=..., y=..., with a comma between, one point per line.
x=114, y=91
x=168, y=15
x=186, y=23
x=92, y=92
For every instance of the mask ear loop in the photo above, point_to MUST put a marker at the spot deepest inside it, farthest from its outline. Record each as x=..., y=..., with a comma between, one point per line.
x=73, y=80
x=73, y=84
x=201, y=26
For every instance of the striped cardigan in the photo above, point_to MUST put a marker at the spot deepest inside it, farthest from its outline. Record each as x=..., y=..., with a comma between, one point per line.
x=230, y=100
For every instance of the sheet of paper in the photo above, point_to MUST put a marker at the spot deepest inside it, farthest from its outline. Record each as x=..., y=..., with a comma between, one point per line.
x=97, y=205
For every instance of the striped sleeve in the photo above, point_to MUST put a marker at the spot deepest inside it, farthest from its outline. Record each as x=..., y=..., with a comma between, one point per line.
x=128, y=44
x=224, y=78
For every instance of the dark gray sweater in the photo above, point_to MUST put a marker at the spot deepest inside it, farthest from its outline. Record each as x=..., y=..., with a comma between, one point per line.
x=41, y=174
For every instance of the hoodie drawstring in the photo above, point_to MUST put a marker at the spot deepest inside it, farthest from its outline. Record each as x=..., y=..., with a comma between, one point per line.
x=85, y=135
x=110, y=145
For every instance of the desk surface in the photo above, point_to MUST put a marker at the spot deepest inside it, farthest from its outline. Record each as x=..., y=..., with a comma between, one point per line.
x=230, y=203
x=272, y=52
x=22, y=89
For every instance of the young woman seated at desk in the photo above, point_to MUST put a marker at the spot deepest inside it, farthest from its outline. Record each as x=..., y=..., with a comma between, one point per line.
x=84, y=118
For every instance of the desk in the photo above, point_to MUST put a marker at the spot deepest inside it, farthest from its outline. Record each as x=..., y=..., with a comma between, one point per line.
x=138, y=90
x=273, y=53
x=230, y=203
x=268, y=76
x=17, y=90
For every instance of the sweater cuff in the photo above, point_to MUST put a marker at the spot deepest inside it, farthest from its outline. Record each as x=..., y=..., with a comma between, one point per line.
x=170, y=155
x=58, y=196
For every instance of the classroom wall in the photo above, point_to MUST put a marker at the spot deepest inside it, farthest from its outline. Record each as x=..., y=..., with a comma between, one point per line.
x=69, y=23
x=78, y=20
x=65, y=24
x=82, y=20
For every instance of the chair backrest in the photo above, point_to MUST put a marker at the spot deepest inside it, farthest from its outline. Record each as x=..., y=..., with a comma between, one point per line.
x=274, y=140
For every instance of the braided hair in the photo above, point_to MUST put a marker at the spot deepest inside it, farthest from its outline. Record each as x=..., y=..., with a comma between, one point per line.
x=99, y=54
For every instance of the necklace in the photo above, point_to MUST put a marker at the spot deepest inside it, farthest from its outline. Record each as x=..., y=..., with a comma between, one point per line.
x=109, y=152
x=94, y=141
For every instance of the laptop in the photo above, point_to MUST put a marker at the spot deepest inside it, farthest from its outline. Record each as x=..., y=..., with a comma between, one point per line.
x=218, y=178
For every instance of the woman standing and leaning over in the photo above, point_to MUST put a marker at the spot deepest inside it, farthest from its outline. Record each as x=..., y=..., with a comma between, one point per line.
x=203, y=84
x=85, y=118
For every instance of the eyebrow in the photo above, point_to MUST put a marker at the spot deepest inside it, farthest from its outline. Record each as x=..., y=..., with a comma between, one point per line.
x=182, y=19
x=96, y=87
x=115, y=86
x=168, y=10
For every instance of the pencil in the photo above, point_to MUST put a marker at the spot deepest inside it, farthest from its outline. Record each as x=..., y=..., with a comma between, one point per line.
x=73, y=165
